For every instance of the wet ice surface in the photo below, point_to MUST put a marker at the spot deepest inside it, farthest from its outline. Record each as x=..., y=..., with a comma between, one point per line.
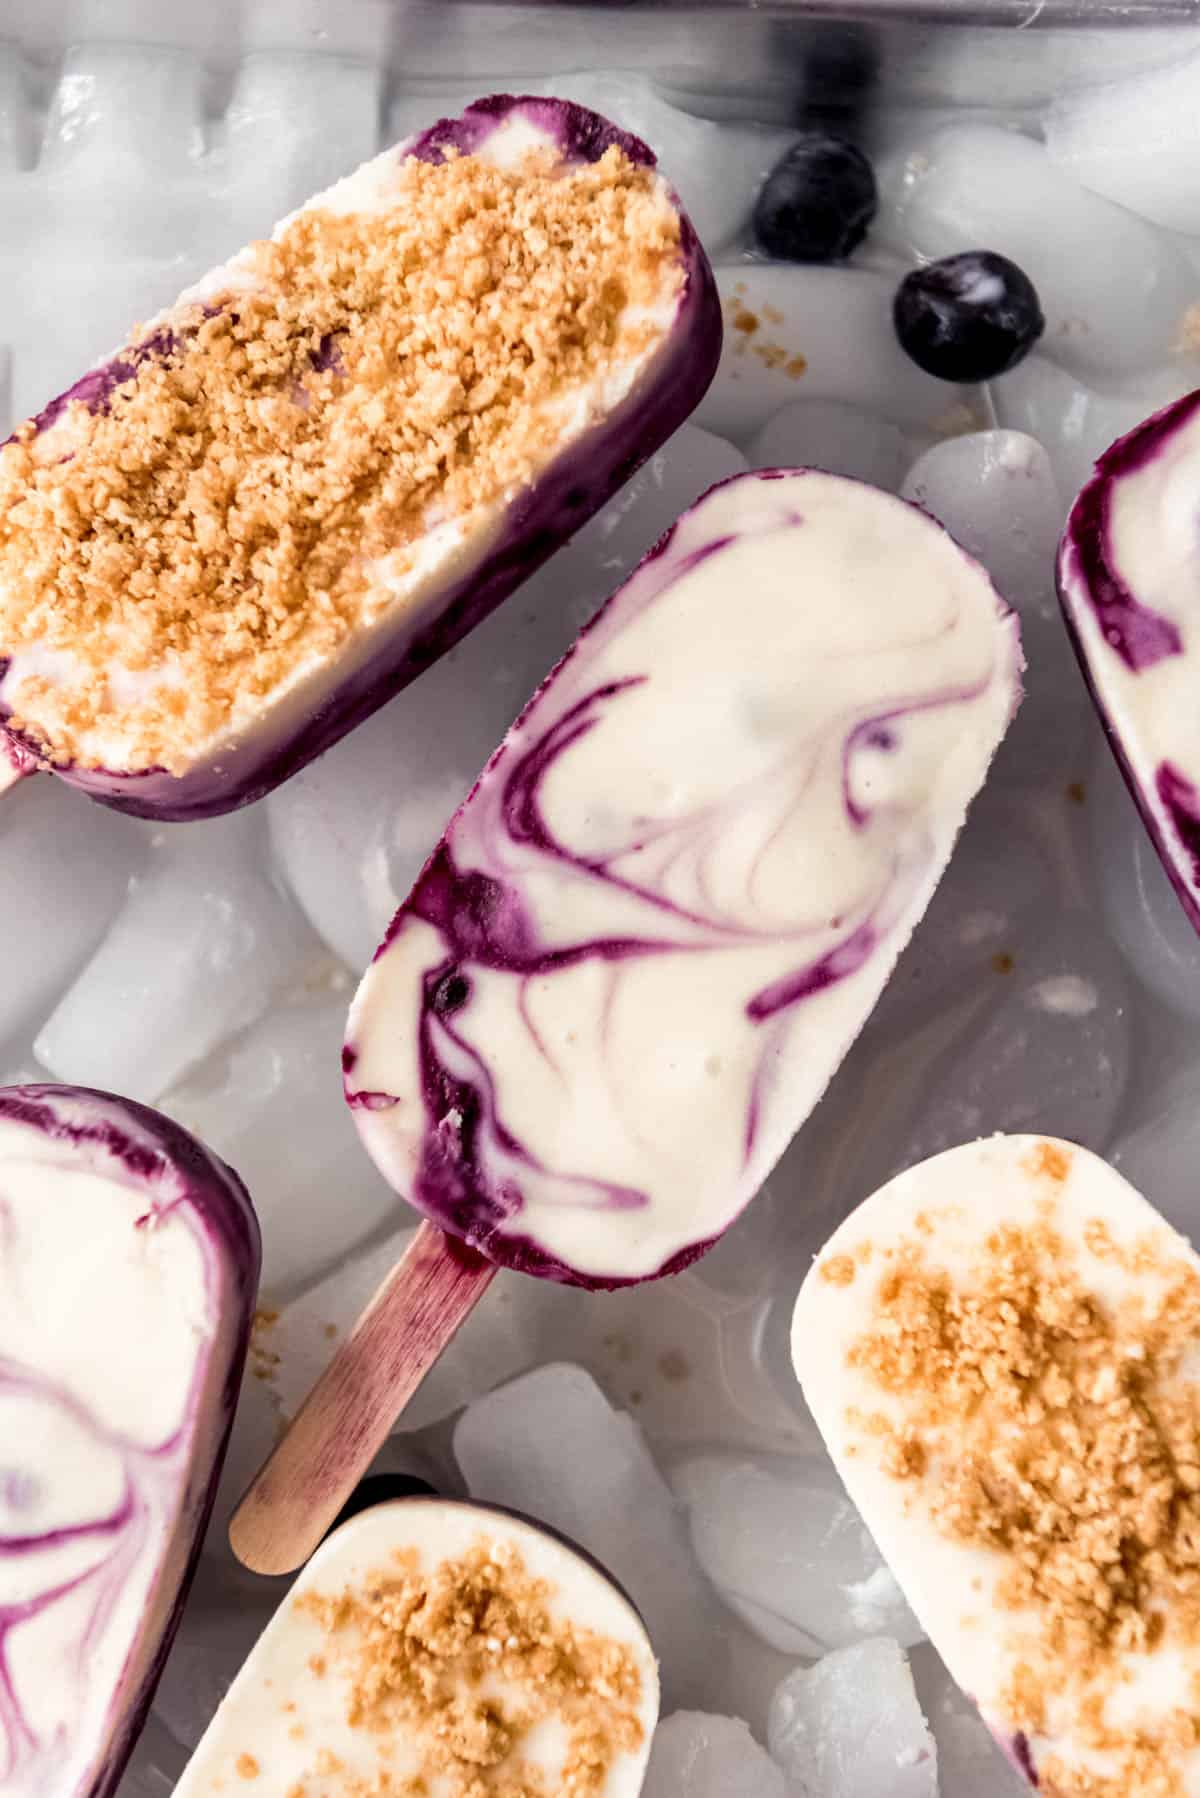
x=1053, y=984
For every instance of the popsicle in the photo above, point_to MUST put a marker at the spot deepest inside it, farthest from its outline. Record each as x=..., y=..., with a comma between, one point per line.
x=1129, y=581
x=445, y=1649
x=647, y=939
x=1001, y=1350
x=128, y=1268
x=332, y=456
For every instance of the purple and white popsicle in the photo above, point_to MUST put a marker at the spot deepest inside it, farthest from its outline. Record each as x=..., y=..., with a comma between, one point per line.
x=1129, y=582
x=649, y=936
x=128, y=1269
x=438, y=562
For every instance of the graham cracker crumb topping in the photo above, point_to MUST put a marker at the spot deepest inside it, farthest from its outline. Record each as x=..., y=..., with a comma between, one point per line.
x=1039, y=1421
x=215, y=527
x=463, y=1663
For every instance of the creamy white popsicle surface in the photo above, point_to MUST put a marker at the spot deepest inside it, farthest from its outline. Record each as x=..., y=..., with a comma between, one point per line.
x=647, y=939
x=443, y=1649
x=128, y=1267
x=1002, y=1350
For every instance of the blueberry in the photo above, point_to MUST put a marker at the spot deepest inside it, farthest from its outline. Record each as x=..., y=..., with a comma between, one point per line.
x=969, y=317
x=817, y=202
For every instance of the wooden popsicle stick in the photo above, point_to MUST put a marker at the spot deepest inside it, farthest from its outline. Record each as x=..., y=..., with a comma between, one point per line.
x=347, y=1416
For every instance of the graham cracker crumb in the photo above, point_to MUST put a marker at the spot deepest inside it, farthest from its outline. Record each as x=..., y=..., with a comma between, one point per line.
x=256, y=490
x=838, y=1270
x=247, y=1766
x=1052, y=1162
x=1063, y=1434
x=464, y=1663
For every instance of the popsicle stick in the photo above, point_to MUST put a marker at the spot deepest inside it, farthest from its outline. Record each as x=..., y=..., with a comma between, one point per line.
x=347, y=1416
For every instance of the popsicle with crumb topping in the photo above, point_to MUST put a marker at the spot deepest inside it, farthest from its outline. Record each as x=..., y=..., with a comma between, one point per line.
x=439, y=1647
x=128, y=1267
x=1002, y=1350
x=288, y=494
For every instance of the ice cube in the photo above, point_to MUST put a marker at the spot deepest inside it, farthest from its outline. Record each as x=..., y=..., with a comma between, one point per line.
x=274, y=1109
x=549, y=1445
x=1136, y=142
x=203, y=943
x=826, y=434
x=699, y=1756
x=53, y=919
x=788, y=1552
x=156, y=1764
x=353, y=829
x=1139, y=903
x=996, y=493
x=716, y=169
x=1076, y=423
x=16, y=112
x=1160, y=1155
x=120, y=111
x=1113, y=289
x=222, y=1621
x=970, y=1764
x=851, y=1727
x=820, y=334
x=274, y=152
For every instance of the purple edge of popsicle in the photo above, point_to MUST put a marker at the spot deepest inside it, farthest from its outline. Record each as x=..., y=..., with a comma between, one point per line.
x=223, y=1206
x=570, y=491
x=521, y=1252
x=1085, y=570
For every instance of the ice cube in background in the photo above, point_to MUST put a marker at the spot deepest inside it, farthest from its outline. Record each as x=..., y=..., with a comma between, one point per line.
x=352, y=830
x=201, y=946
x=53, y=915
x=1113, y=289
x=1136, y=142
x=851, y=1727
x=222, y=1621
x=551, y=1446
x=275, y=1110
x=156, y=1764
x=788, y=1552
x=1160, y=1155
x=970, y=1763
x=273, y=152
x=996, y=493
x=826, y=434
x=121, y=113
x=416, y=106
x=699, y=1756
x=1043, y=1044
x=16, y=111
x=716, y=170
x=796, y=333
x=1076, y=423
x=1139, y=903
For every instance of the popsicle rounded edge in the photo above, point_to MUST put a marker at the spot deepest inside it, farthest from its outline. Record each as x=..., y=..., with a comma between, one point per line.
x=660, y=565
x=1081, y=554
x=152, y=1152
x=815, y=1336
x=573, y=486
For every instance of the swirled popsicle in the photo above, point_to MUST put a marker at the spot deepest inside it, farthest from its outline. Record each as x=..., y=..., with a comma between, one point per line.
x=128, y=1268
x=292, y=491
x=1129, y=581
x=1001, y=1350
x=438, y=1647
x=649, y=936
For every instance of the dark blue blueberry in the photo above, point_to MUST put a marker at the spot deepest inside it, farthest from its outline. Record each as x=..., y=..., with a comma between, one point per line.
x=969, y=317
x=816, y=203
x=451, y=993
x=378, y=1489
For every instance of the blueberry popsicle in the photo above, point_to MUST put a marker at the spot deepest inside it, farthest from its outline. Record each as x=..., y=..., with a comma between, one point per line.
x=331, y=457
x=445, y=1649
x=649, y=936
x=1001, y=1349
x=1129, y=581
x=128, y=1268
